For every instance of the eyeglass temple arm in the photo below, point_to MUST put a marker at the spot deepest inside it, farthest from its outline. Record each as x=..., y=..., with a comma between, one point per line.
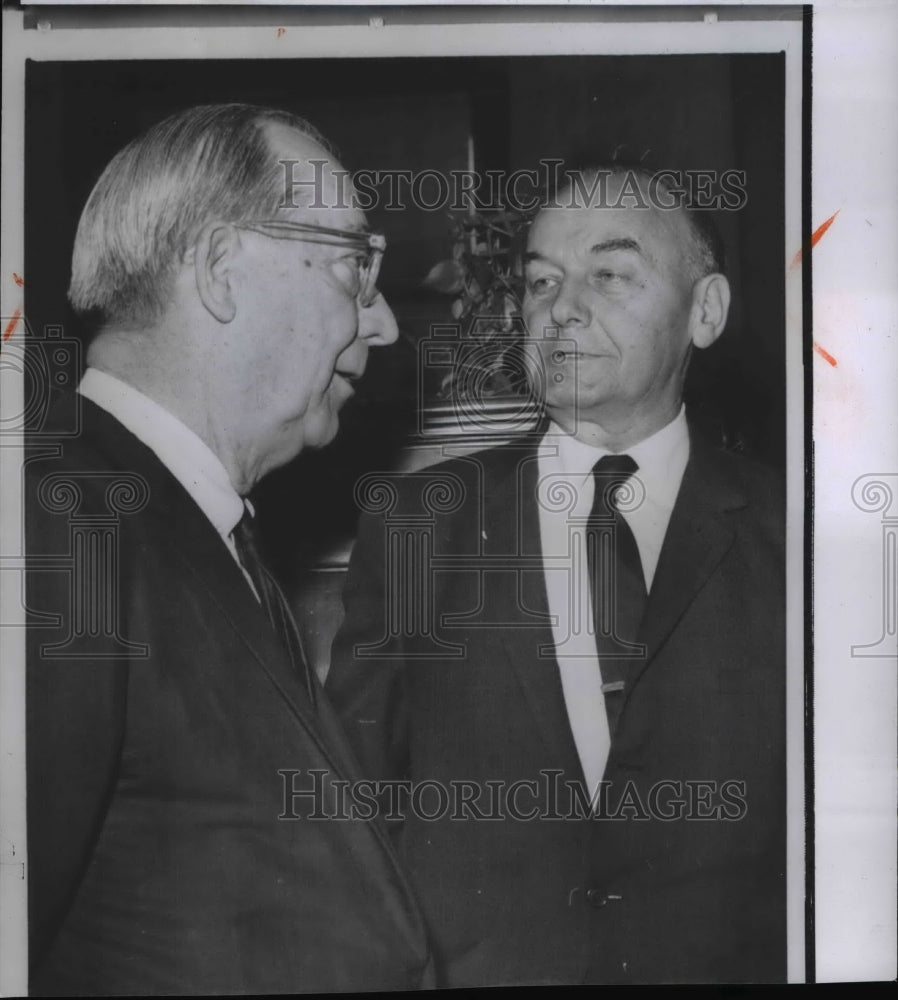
x=376, y=241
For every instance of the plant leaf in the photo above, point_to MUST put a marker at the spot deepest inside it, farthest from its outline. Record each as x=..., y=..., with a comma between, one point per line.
x=447, y=276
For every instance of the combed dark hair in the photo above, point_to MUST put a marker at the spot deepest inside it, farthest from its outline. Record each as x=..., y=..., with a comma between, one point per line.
x=707, y=254
x=208, y=162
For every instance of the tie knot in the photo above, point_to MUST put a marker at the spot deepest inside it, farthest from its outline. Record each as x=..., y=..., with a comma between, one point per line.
x=245, y=526
x=610, y=473
x=622, y=466
x=246, y=541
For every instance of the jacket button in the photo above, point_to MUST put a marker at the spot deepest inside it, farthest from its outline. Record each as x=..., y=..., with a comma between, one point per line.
x=597, y=898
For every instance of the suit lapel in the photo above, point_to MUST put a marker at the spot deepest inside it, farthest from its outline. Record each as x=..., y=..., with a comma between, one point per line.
x=700, y=533
x=186, y=531
x=512, y=513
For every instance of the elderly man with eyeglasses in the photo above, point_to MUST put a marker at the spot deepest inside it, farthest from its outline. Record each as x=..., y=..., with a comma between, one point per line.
x=168, y=695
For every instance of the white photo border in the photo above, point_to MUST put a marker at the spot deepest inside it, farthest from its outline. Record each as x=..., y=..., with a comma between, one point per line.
x=871, y=684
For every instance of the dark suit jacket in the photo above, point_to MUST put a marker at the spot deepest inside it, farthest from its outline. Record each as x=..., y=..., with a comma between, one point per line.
x=682, y=880
x=157, y=726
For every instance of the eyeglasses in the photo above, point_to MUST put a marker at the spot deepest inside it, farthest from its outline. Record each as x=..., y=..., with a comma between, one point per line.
x=372, y=245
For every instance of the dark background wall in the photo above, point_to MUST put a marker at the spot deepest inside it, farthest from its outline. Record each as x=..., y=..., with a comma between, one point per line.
x=709, y=112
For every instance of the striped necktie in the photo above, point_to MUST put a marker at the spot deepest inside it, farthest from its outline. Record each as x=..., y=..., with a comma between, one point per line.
x=272, y=598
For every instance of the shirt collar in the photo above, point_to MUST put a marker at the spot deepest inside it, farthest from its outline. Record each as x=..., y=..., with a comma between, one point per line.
x=661, y=458
x=186, y=456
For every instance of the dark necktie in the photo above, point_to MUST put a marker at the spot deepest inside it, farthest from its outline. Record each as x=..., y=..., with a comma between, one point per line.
x=616, y=580
x=272, y=597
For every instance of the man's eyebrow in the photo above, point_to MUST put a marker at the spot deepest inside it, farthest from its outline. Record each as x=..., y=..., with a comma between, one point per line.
x=622, y=243
x=606, y=246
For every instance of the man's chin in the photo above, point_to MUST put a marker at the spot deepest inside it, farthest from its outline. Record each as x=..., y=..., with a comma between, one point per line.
x=561, y=401
x=321, y=432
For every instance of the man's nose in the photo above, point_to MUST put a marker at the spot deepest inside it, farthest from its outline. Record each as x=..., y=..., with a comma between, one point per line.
x=377, y=324
x=569, y=305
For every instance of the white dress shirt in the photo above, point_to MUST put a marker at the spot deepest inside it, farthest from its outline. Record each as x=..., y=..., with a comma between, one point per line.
x=565, y=496
x=186, y=456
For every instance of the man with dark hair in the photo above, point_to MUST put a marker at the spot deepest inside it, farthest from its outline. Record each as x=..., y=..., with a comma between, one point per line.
x=169, y=701
x=595, y=670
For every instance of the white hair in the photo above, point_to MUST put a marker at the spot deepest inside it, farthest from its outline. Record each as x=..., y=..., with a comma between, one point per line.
x=208, y=162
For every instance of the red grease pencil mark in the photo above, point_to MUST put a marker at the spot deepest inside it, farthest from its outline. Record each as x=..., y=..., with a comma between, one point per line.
x=816, y=236
x=19, y=281
x=11, y=325
x=281, y=31
x=825, y=354
x=821, y=229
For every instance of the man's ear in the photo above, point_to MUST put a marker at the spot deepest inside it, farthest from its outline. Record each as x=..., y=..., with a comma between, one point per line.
x=710, y=305
x=212, y=257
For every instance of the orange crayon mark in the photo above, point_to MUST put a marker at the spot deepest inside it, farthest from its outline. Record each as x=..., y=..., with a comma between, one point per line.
x=19, y=281
x=816, y=236
x=825, y=354
x=11, y=325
